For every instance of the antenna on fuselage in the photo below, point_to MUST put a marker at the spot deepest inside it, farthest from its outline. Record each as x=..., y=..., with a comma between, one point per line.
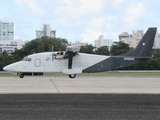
x=52, y=48
x=52, y=53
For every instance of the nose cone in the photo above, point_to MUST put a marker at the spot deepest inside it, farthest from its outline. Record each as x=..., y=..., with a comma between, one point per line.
x=8, y=68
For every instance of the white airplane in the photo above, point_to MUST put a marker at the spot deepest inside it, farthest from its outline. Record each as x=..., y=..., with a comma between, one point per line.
x=71, y=62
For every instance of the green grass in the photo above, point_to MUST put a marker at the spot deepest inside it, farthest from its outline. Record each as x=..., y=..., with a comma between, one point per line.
x=114, y=73
x=6, y=75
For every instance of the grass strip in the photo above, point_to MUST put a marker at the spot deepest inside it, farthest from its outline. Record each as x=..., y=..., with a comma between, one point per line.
x=98, y=74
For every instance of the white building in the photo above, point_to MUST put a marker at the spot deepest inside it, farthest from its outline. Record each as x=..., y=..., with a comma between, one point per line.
x=78, y=44
x=10, y=45
x=124, y=35
x=157, y=41
x=132, y=39
x=46, y=31
x=6, y=30
x=103, y=42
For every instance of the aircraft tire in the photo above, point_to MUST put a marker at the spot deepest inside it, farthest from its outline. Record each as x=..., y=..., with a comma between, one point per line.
x=72, y=75
x=22, y=75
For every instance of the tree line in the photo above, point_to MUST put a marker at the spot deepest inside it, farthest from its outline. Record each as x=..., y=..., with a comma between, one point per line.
x=46, y=44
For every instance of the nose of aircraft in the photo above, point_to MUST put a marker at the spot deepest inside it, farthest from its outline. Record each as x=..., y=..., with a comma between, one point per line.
x=8, y=68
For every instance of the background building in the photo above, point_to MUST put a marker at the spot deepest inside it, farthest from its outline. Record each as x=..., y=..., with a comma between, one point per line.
x=46, y=31
x=78, y=44
x=124, y=35
x=7, y=42
x=6, y=30
x=131, y=39
x=10, y=45
x=157, y=41
x=103, y=42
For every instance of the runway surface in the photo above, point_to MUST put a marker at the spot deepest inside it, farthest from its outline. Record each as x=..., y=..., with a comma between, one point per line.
x=80, y=107
x=118, y=84
x=82, y=98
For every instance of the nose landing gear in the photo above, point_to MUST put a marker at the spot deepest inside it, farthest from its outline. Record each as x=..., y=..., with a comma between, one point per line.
x=20, y=74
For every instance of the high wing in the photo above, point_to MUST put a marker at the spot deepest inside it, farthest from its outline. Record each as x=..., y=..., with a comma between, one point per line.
x=65, y=54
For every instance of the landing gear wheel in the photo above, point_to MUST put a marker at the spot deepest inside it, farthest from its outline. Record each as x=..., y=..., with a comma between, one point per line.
x=72, y=75
x=22, y=75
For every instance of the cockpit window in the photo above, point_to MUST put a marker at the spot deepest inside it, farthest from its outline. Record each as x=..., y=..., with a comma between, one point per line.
x=29, y=59
x=26, y=59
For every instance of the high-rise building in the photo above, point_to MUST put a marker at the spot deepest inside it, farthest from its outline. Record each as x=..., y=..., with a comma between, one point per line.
x=6, y=30
x=46, y=31
x=103, y=42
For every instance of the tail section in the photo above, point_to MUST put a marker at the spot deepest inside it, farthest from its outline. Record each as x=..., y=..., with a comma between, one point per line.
x=140, y=54
x=144, y=48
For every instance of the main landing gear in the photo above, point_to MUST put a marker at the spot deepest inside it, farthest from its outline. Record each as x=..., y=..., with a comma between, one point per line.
x=21, y=75
x=72, y=75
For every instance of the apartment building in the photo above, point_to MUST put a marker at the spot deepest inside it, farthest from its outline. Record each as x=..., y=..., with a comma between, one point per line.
x=102, y=41
x=6, y=30
x=46, y=31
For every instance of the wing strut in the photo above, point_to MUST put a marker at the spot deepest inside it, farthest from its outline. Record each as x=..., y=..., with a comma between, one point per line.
x=72, y=51
x=71, y=54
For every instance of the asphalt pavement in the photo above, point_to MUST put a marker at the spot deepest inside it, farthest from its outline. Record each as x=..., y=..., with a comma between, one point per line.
x=79, y=106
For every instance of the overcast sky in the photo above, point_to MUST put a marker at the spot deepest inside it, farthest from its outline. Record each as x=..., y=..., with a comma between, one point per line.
x=80, y=20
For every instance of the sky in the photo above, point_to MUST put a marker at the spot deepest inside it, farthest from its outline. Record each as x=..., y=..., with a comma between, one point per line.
x=80, y=20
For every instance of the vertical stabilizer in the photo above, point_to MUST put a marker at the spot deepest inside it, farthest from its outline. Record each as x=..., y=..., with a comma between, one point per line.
x=144, y=48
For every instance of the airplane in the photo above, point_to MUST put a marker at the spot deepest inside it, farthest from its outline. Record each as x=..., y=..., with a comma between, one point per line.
x=71, y=62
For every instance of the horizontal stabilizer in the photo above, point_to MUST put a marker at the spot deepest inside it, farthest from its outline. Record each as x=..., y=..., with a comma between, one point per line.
x=72, y=71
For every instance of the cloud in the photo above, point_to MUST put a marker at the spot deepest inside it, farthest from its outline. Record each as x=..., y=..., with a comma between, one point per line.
x=133, y=13
x=90, y=6
x=91, y=35
x=33, y=5
x=77, y=8
x=117, y=3
x=97, y=22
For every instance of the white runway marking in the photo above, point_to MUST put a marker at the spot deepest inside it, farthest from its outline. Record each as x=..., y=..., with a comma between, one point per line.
x=108, y=85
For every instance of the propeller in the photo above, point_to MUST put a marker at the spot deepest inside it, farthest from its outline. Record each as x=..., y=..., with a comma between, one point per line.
x=54, y=54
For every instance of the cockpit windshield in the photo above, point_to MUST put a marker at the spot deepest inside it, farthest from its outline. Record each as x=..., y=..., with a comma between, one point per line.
x=26, y=59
